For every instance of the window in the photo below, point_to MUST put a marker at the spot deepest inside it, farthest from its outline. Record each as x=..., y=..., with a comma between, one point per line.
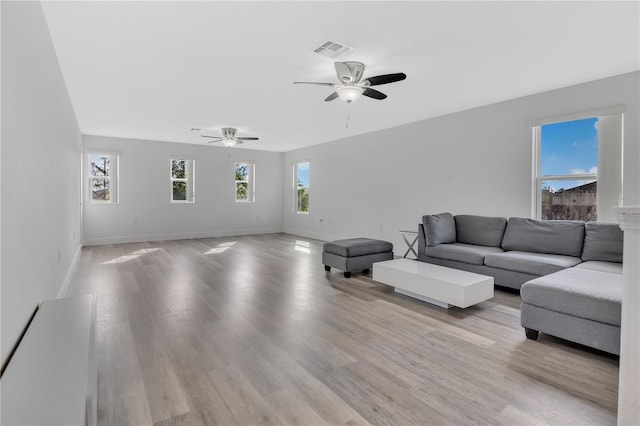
x=570, y=156
x=182, y=186
x=568, y=176
x=103, y=178
x=245, y=177
x=301, y=184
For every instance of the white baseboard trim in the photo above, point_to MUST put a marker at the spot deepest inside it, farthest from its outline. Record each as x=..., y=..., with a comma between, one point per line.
x=314, y=235
x=64, y=288
x=179, y=236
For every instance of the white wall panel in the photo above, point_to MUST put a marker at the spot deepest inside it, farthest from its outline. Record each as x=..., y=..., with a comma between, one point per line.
x=144, y=211
x=40, y=170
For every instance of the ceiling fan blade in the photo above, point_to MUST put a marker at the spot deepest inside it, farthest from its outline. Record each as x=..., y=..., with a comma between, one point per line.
x=343, y=71
x=247, y=139
x=373, y=93
x=331, y=97
x=312, y=82
x=212, y=137
x=386, y=79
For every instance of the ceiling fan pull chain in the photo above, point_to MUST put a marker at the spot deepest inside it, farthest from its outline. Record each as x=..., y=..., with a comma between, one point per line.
x=348, y=115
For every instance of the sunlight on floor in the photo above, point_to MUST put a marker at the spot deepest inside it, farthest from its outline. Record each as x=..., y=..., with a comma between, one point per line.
x=217, y=250
x=131, y=256
x=303, y=246
x=222, y=247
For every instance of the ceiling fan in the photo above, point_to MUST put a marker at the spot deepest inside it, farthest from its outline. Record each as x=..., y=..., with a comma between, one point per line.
x=228, y=137
x=352, y=85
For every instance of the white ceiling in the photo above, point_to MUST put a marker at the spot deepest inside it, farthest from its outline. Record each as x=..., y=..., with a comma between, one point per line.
x=152, y=70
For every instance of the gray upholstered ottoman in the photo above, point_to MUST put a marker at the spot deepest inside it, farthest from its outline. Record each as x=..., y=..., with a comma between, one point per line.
x=355, y=254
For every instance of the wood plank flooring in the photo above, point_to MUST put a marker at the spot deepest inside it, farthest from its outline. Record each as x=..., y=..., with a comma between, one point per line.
x=251, y=330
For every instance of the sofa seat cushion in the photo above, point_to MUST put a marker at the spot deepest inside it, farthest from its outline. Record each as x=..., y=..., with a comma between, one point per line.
x=466, y=253
x=480, y=230
x=597, y=265
x=353, y=247
x=530, y=263
x=565, y=237
x=579, y=292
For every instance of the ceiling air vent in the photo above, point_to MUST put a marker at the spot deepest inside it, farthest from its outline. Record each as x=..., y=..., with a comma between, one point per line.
x=332, y=49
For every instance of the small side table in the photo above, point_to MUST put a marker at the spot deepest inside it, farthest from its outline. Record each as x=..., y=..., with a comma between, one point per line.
x=410, y=245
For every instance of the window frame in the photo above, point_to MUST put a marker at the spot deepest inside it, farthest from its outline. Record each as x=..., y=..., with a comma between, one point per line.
x=112, y=177
x=609, y=148
x=189, y=179
x=538, y=178
x=251, y=180
x=296, y=188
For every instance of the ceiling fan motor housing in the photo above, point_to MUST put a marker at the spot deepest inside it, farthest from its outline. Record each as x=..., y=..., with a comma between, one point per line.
x=356, y=69
x=229, y=132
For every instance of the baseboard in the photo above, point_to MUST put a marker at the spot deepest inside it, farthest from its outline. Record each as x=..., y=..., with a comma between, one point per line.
x=64, y=288
x=314, y=235
x=179, y=236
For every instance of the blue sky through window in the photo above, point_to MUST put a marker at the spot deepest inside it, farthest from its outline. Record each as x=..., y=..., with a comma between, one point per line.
x=569, y=148
x=303, y=173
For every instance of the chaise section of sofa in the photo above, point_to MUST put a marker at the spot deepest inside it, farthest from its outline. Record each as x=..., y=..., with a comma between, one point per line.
x=576, y=304
x=581, y=304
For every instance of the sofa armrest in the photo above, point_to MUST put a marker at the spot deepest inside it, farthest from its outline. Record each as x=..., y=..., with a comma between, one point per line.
x=422, y=240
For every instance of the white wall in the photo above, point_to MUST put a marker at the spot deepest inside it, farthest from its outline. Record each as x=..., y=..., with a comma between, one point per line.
x=145, y=213
x=472, y=162
x=40, y=175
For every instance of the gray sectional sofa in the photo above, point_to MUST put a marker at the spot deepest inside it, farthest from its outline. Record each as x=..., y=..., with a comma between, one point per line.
x=569, y=272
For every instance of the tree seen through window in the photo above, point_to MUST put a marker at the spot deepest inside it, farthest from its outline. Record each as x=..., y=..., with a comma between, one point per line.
x=242, y=181
x=100, y=181
x=181, y=180
x=302, y=187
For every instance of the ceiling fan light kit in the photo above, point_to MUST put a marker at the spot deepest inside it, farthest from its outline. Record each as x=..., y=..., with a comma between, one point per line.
x=349, y=93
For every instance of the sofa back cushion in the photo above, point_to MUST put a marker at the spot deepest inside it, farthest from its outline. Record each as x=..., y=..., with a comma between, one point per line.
x=480, y=230
x=544, y=236
x=603, y=241
x=439, y=229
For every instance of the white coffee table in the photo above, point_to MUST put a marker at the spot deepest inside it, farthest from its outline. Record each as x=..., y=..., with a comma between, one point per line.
x=434, y=284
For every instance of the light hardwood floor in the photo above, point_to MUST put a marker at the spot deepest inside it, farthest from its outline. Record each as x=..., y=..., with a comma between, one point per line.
x=251, y=330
